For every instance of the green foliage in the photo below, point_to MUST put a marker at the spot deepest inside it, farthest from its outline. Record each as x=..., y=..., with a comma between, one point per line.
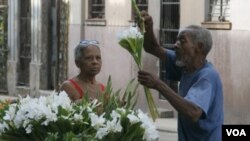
x=111, y=100
x=67, y=128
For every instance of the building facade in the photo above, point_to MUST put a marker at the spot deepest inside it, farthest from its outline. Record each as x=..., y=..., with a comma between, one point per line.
x=34, y=46
x=50, y=53
x=224, y=18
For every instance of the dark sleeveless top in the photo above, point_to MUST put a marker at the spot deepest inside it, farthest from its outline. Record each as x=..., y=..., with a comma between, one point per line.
x=80, y=91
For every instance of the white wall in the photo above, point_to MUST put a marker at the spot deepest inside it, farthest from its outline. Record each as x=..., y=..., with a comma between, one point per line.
x=192, y=12
x=118, y=12
x=239, y=16
x=75, y=33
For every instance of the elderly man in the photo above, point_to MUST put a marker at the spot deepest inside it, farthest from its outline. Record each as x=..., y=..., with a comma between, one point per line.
x=200, y=99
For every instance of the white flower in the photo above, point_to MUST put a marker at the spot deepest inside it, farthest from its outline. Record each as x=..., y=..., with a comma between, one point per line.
x=10, y=113
x=78, y=117
x=114, y=125
x=149, y=126
x=28, y=129
x=115, y=114
x=61, y=99
x=111, y=127
x=101, y=132
x=132, y=32
x=47, y=110
x=133, y=118
x=3, y=127
x=96, y=121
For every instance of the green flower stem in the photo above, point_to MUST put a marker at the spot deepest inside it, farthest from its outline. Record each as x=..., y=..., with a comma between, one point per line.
x=151, y=104
x=139, y=20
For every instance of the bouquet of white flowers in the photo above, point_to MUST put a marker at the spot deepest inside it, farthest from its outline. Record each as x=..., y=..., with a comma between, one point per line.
x=132, y=40
x=56, y=118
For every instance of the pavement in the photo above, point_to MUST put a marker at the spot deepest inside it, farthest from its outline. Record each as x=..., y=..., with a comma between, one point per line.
x=5, y=97
x=167, y=128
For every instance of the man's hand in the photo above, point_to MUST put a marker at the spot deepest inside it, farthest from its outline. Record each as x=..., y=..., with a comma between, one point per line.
x=148, y=21
x=147, y=79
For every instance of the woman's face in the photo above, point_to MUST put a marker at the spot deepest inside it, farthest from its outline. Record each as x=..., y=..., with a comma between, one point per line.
x=91, y=61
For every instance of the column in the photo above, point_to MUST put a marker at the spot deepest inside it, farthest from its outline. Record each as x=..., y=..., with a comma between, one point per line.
x=35, y=64
x=13, y=45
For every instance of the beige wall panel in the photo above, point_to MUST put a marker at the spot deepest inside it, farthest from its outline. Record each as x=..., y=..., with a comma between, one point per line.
x=229, y=55
x=192, y=12
x=239, y=16
x=74, y=39
x=118, y=12
x=75, y=11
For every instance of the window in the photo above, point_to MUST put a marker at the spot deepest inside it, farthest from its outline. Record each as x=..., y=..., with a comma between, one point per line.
x=96, y=9
x=218, y=15
x=219, y=10
x=170, y=23
x=25, y=43
x=142, y=5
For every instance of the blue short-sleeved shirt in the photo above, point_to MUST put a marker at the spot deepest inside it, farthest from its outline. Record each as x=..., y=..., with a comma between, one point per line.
x=203, y=88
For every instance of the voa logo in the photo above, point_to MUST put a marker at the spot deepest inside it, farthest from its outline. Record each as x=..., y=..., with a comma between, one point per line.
x=236, y=132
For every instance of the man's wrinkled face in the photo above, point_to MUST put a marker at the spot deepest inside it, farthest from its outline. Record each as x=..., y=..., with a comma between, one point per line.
x=91, y=61
x=185, y=50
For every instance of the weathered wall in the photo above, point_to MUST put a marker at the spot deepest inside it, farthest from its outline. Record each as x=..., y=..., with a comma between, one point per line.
x=229, y=55
x=75, y=33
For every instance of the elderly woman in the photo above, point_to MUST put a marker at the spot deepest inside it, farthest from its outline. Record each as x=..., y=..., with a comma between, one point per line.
x=88, y=60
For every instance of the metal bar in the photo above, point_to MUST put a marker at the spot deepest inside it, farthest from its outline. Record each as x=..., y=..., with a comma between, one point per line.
x=221, y=7
x=170, y=3
x=167, y=29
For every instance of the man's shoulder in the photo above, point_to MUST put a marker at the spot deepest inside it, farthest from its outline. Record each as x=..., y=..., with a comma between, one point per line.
x=209, y=72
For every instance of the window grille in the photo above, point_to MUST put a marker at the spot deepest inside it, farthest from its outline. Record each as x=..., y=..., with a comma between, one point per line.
x=96, y=9
x=219, y=10
x=170, y=23
x=25, y=43
x=3, y=45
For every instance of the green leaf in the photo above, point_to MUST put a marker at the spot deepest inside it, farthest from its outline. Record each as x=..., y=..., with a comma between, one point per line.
x=125, y=44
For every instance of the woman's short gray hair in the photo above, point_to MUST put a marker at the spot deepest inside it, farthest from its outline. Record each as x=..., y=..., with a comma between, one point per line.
x=79, y=49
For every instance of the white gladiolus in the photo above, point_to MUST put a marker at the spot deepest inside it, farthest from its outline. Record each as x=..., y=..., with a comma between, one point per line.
x=10, y=114
x=97, y=121
x=132, y=32
x=78, y=117
x=54, y=110
x=133, y=118
x=101, y=132
x=150, y=128
x=3, y=127
x=132, y=40
x=115, y=114
x=29, y=129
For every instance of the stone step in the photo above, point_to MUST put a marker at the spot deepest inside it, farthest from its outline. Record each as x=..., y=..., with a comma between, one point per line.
x=6, y=97
x=165, y=113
